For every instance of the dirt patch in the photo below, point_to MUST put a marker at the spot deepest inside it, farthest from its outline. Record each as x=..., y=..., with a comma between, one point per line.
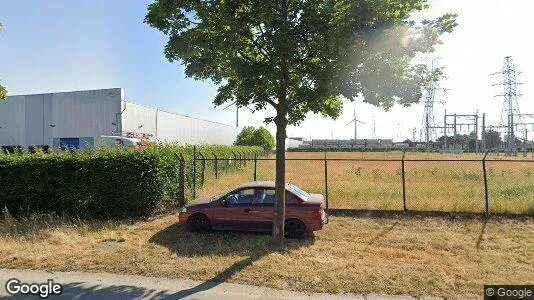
x=445, y=257
x=110, y=245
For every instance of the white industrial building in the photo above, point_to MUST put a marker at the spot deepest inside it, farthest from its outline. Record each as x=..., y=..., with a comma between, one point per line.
x=349, y=144
x=77, y=119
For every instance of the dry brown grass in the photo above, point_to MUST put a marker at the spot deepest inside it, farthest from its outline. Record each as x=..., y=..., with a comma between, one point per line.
x=421, y=256
x=456, y=186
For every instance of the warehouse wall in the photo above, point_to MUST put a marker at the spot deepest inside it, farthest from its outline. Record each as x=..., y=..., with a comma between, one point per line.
x=41, y=119
x=86, y=113
x=12, y=122
x=174, y=128
x=291, y=143
x=138, y=118
x=169, y=127
x=83, y=116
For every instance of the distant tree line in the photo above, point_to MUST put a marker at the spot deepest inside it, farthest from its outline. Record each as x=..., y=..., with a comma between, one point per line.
x=261, y=137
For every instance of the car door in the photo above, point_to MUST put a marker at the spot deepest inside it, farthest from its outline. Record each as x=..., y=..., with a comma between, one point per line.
x=263, y=209
x=237, y=213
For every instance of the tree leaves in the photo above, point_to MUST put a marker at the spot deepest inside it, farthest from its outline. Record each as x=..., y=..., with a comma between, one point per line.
x=255, y=137
x=302, y=56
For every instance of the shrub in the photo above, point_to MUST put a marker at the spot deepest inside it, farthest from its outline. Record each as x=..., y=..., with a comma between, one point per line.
x=260, y=137
x=106, y=183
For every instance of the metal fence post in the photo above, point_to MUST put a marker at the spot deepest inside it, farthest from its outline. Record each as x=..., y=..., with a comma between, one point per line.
x=181, y=180
x=202, y=176
x=326, y=179
x=235, y=158
x=485, y=183
x=403, y=183
x=216, y=166
x=255, y=165
x=194, y=172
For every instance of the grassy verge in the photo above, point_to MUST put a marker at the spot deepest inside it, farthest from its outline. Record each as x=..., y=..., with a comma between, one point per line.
x=452, y=186
x=416, y=256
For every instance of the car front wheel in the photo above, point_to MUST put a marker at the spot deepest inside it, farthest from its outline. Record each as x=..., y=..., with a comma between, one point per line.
x=199, y=223
x=294, y=229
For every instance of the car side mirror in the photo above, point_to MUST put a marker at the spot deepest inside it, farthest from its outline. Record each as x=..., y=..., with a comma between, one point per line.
x=225, y=202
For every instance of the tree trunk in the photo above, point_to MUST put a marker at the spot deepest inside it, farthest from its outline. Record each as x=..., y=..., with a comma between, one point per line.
x=280, y=184
x=281, y=125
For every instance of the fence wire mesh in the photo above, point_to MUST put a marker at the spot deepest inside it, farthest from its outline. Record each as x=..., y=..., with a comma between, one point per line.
x=230, y=173
x=449, y=186
x=370, y=185
x=376, y=182
x=510, y=186
x=307, y=174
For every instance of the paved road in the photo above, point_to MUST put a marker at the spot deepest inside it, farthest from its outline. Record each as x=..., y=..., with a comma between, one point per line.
x=77, y=285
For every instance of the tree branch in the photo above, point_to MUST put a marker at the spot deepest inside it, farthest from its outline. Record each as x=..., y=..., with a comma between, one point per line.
x=246, y=57
x=274, y=104
x=258, y=46
x=192, y=22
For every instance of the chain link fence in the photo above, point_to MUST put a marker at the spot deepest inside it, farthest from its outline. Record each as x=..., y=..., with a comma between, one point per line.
x=480, y=184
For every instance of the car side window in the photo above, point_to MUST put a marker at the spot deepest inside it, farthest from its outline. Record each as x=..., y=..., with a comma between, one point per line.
x=241, y=197
x=291, y=199
x=266, y=196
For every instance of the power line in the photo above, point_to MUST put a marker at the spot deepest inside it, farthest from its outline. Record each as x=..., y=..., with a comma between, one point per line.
x=510, y=103
x=428, y=122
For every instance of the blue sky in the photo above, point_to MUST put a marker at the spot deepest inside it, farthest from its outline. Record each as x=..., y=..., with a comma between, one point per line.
x=49, y=46
x=61, y=45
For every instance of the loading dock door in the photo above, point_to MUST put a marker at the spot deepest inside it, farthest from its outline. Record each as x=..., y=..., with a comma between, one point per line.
x=69, y=143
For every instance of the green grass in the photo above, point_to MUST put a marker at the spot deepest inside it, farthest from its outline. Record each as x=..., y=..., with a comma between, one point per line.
x=456, y=186
x=352, y=254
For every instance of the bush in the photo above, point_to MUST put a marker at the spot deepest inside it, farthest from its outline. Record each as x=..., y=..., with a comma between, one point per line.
x=260, y=137
x=106, y=183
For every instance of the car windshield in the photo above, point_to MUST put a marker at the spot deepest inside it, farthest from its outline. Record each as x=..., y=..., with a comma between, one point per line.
x=298, y=192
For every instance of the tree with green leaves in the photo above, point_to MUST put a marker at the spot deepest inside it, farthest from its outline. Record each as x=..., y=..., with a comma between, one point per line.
x=493, y=139
x=244, y=138
x=263, y=138
x=301, y=56
x=255, y=137
x=3, y=91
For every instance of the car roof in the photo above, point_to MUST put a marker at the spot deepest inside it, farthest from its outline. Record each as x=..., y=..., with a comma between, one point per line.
x=254, y=184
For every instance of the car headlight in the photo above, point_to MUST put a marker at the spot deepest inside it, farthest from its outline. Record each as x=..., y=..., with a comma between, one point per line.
x=183, y=210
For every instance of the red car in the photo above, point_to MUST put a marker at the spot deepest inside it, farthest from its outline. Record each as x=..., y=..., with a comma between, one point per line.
x=249, y=207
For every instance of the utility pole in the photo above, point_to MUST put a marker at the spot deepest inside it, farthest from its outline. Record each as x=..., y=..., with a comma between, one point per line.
x=458, y=124
x=237, y=112
x=455, y=133
x=484, y=132
x=373, y=135
x=429, y=124
x=476, y=132
x=525, y=143
x=445, y=130
x=510, y=104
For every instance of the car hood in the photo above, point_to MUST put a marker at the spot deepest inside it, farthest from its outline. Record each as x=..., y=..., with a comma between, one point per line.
x=201, y=201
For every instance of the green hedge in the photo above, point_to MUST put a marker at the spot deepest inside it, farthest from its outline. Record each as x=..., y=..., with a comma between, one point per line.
x=360, y=150
x=106, y=183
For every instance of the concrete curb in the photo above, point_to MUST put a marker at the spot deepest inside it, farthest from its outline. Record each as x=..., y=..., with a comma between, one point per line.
x=81, y=285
